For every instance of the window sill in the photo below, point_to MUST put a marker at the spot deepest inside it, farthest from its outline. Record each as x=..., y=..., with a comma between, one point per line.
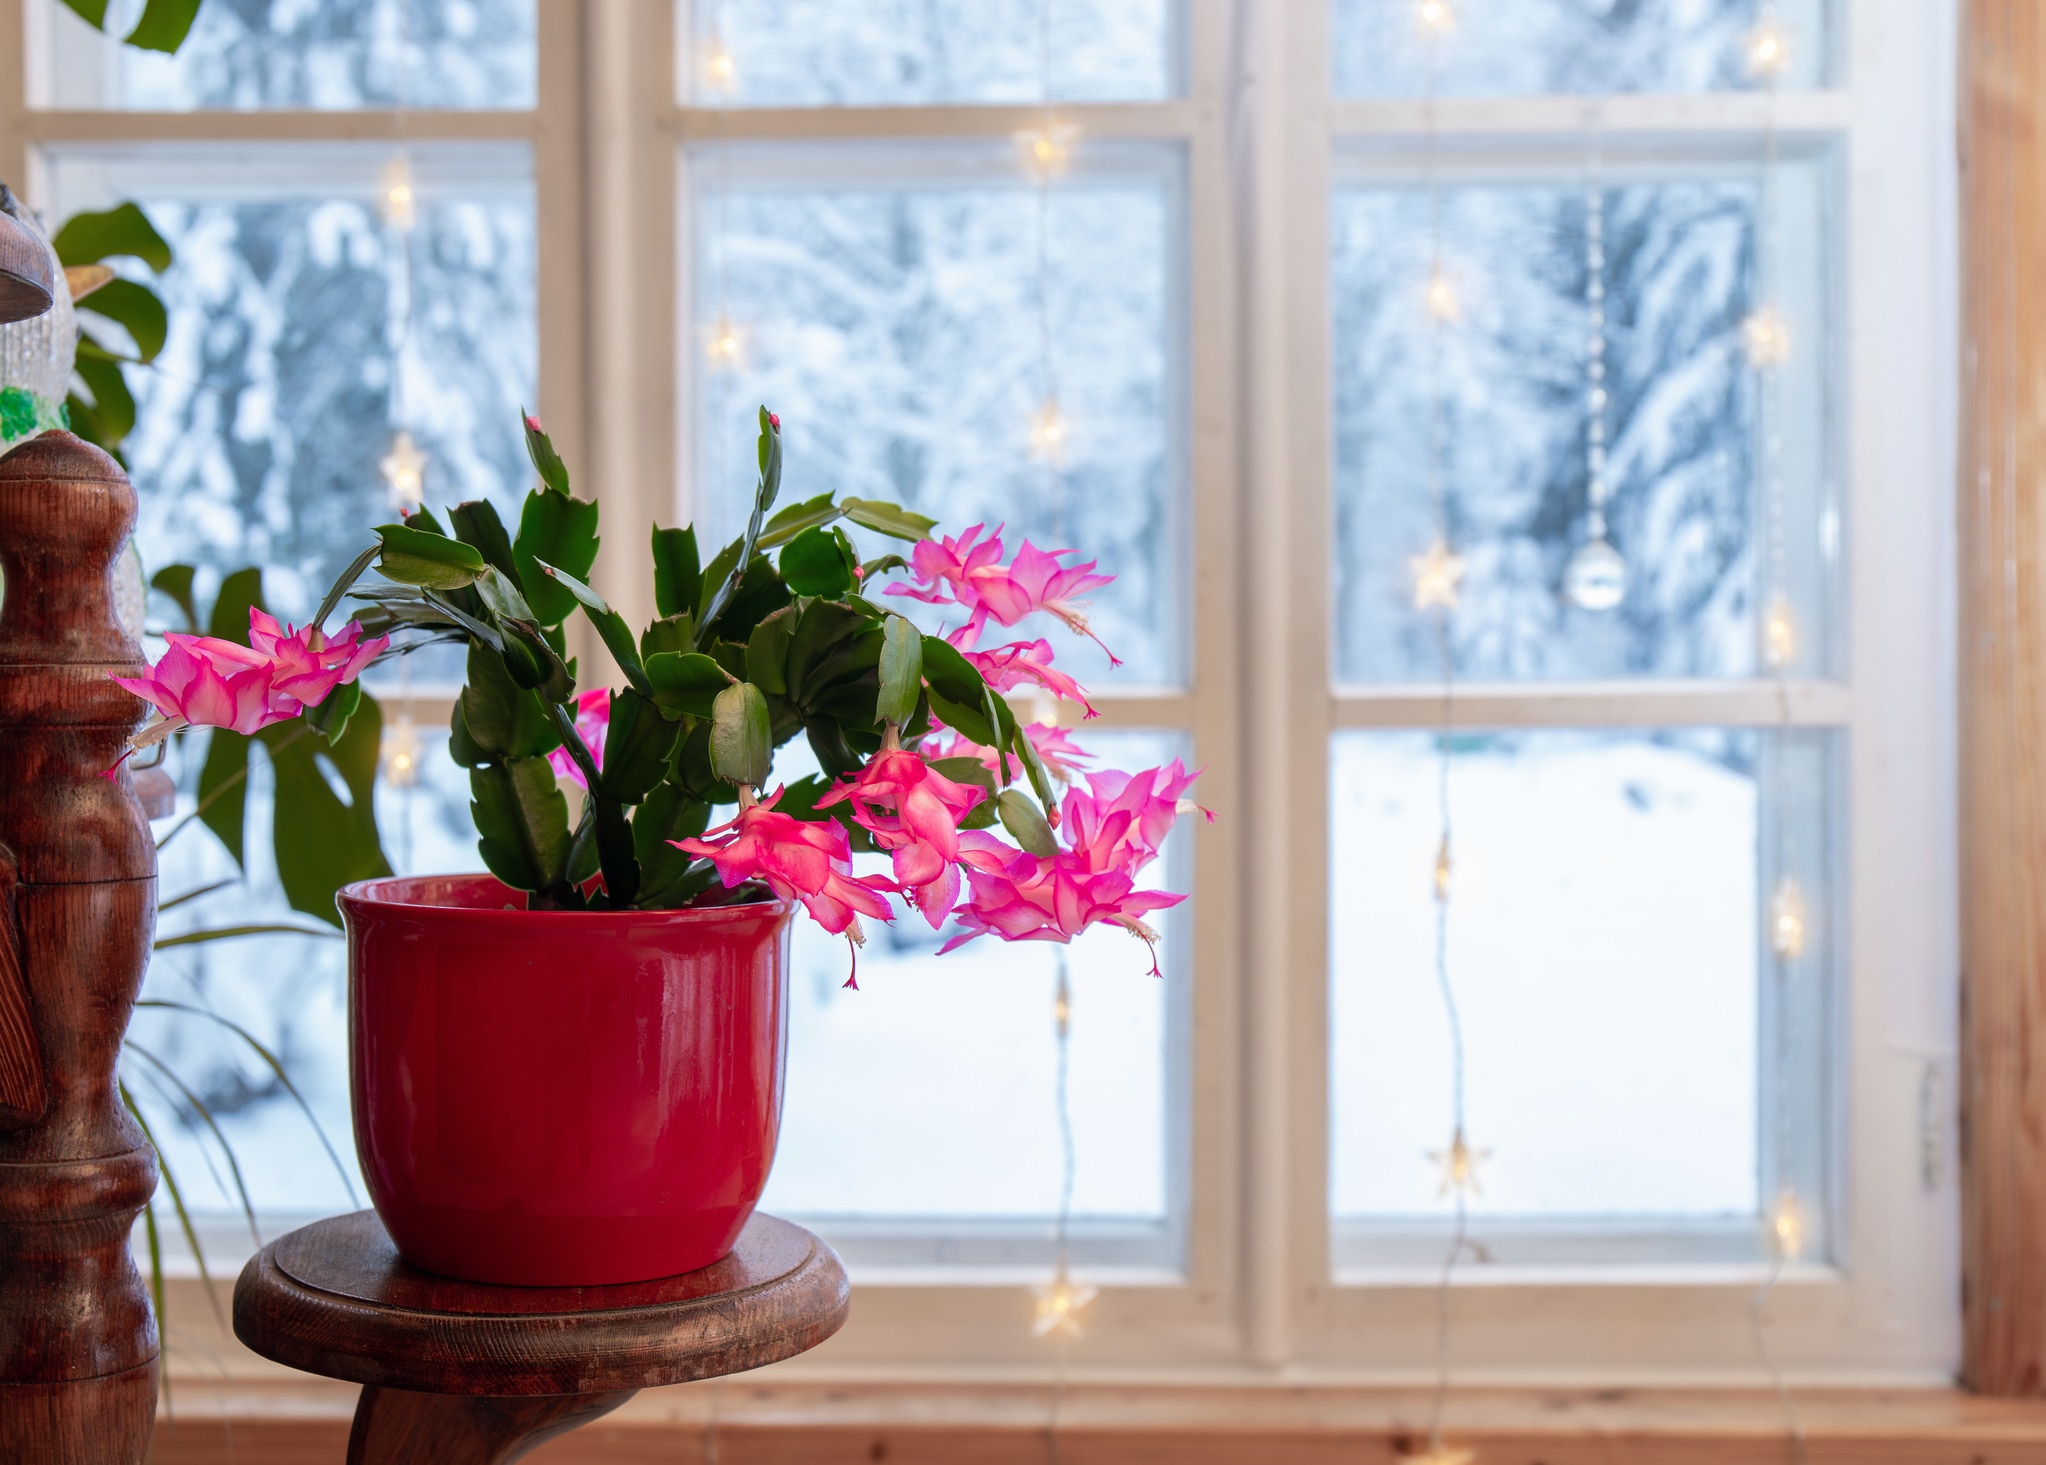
x=1190, y=1424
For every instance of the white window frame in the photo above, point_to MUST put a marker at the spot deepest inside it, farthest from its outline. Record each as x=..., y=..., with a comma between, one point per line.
x=1256, y=1288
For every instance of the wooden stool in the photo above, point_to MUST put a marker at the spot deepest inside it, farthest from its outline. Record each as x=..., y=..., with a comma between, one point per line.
x=468, y=1374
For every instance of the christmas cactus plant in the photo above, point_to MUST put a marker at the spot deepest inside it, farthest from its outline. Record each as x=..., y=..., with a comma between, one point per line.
x=784, y=632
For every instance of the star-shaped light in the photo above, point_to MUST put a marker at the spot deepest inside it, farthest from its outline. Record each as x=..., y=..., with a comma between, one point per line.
x=1786, y=920
x=1779, y=634
x=404, y=470
x=1767, y=49
x=1460, y=1165
x=1766, y=335
x=1435, y=16
x=400, y=202
x=1442, y=869
x=1047, y=151
x=401, y=754
x=720, y=71
x=724, y=343
x=1436, y=574
x=1786, y=1228
x=1059, y=1305
x=1048, y=433
x=1441, y=296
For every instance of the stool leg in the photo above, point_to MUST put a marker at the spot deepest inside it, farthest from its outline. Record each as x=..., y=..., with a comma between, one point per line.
x=400, y=1427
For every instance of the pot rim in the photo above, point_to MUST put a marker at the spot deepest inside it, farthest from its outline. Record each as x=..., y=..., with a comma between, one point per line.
x=367, y=896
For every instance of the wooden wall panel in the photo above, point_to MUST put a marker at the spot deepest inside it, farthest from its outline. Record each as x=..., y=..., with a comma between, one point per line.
x=2003, y=695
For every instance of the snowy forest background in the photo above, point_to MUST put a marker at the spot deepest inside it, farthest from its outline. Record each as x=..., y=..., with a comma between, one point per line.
x=888, y=305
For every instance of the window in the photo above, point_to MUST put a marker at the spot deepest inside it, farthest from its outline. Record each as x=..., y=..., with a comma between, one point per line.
x=650, y=218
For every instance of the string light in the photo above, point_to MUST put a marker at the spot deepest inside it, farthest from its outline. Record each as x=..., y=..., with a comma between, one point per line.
x=1435, y=17
x=1048, y=433
x=720, y=71
x=1436, y=575
x=1767, y=47
x=1596, y=577
x=1786, y=920
x=1766, y=336
x=401, y=753
x=724, y=343
x=1442, y=303
x=1047, y=150
x=401, y=203
x=1460, y=1166
x=1786, y=1227
x=1779, y=633
x=1442, y=869
x=1058, y=1308
x=404, y=470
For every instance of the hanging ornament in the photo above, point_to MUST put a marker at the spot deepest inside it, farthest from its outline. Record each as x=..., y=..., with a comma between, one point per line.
x=1779, y=633
x=404, y=470
x=724, y=343
x=401, y=753
x=400, y=203
x=1596, y=577
x=1442, y=303
x=1442, y=869
x=1436, y=575
x=1058, y=1308
x=1460, y=1166
x=1048, y=433
x=1786, y=1227
x=1765, y=335
x=1047, y=150
x=1435, y=17
x=1786, y=920
x=1766, y=48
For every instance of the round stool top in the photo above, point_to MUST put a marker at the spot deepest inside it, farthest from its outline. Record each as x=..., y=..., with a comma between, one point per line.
x=334, y=1298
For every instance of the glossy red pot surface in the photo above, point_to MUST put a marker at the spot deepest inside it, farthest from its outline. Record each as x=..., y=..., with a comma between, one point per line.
x=562, y=1098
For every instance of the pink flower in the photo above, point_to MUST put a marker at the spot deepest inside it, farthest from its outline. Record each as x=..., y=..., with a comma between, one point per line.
x=944, y=568
x=913, y=811
x=798, y=860
x=533, y=423
x=1024, y=663
x=203, y=681
x=1119, y=821
x=308, y=665
x=1037, y=581
x=1019, y=896
x=592, y=722
x=1059, y=754
x=774, y=420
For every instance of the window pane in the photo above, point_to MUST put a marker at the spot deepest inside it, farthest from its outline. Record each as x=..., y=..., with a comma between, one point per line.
x=332, y=56
x=817, y=53
x=290, y=992
x=1534, y=46
x=305, y=331
x=1685, y=460
x=930, y=1091
x=1624, y=1040
x=892, y=320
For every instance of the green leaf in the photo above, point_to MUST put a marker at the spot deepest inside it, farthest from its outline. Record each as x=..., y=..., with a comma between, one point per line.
x=414, y=557
x=1026, y=823
x=767, y=652
x=330, y=717
x=521, y=822
x=546, y=462
x=816, y=563
x=793, y=520
x=1040, y=780
x=693, y=771
x=769, y=453
x=321, y=841
x=113, y=405
x=880, y=566
x=669, y=633
x=563, y=532
x=136, y=309
x=346, y=582
x=951, y=675
x=741, y=739
x=824, y=630
x=610, y=625
x=462, y=748
x=94, y=13
x=723, y=589
x=902, y=671
x=500, y=718
x=686, y=682
x=637, y=747
x=528, y=654
x=164, y=25
x=176, y=582
x=500, y=596
x=228, y=933
x=666, y=877
x=476, y=522
x=715, y=574
x=89, y=238
x=890, y=519
x=963, y=717
x=678, y=578
x=757, y=595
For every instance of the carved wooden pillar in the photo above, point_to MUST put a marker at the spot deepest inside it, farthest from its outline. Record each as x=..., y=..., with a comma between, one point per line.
x=77, y=911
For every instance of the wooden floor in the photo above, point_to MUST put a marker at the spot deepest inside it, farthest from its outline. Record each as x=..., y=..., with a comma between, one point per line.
x=847, y=1424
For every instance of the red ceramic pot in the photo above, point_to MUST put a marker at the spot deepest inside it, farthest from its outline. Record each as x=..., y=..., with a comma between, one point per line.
x=562, y=1098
